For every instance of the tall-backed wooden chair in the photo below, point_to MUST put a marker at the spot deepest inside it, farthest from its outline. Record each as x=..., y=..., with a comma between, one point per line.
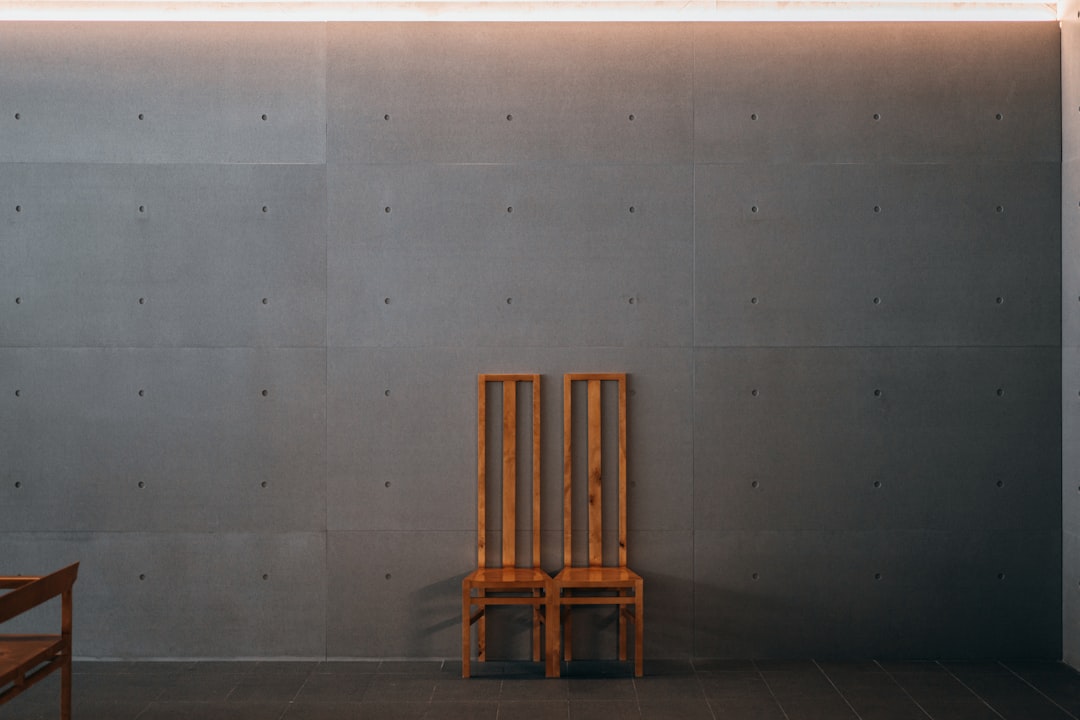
x=596, y=583
x=25, y=660
x=510, y=582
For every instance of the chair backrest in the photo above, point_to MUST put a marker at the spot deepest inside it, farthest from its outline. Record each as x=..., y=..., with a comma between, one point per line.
x=509, y=478
x=31, y=592
x=595, y=421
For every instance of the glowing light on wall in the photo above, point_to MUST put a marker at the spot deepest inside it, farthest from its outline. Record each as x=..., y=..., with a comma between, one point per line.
x=527, y=10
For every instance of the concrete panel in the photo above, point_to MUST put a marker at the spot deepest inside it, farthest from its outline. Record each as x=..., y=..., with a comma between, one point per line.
x=1070, y=253
x=1070, y=434
x=157, y=595
x=166, y=255
x=887, y=92
x=481, y=255
x=163, y=93
x=1070, y=590
x=396, y=594
x=876, y=254
x=163, y=440
x=421, y=438
x=979, y=594
x=891, y=439
x=509, y=92
x=1070, y=84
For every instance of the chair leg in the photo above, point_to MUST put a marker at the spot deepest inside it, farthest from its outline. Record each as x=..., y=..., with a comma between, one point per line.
x=466, y=629
x=551, y=632
x=639, y=629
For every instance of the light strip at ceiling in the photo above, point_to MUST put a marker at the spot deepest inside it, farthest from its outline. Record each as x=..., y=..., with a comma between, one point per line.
x=526, y=10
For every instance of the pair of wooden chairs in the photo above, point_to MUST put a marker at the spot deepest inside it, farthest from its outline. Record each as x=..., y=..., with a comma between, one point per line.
x=513, y=581
x=25, y=660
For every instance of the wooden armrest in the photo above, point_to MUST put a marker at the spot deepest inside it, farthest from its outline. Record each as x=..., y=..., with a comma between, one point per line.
x=7, y=583
x=31, y=592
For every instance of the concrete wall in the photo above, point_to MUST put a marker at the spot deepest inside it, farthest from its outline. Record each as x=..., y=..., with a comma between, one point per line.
x=1070, y=329
x=250, y=274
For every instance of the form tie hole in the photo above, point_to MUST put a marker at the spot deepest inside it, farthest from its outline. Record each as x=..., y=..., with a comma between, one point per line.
x=266, y=301
x=754, y=484
x=264, y=116
x=754, y=392
x=141, y=485
x=1001, y=576
x=877, y=392
x=999, y=300
x=877, y=576
x=386, y=117
x=753, y=208
x=18, y=393
x=263, y=484
x=510, y=209
x=265, y=393
x=18, y=116
x=386, y=484
x=1000, y=392
x=753, y=301
x=387, y=576
x=877, y=208
x=755, y=576
x=631, y=118
x=266, y=208
x=141, y=117
x=877, y=484
x=999, y=209
x=142, y=208
x=877, y=116
x=142, y=393
x=508, y=119
x=386, y=393
x=509, y=301
x=998, y=116
x=18, y=301
x=266, y=576
x=386, y=301
x=1001, y=483
x=386, y=209
x=18, y=208
x=631, y=208
x=142, y=301
x=142, y=577
x=753, y=116
x=877, y=301
x=18, y=484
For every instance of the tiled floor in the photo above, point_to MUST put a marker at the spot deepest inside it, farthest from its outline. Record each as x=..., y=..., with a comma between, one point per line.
x=737, y=690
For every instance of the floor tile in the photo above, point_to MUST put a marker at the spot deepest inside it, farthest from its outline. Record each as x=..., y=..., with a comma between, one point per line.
x=602, y=689
x=546, y=690
x=213, y=711
x=668, y=688
x=472, y=690
x=674, y=709
x=734, y=685
x=534, y=710
x=400, y=688
x=462, y=711
x=746, y=708
x=334, y=688
x=827, y=707
x=607, y=709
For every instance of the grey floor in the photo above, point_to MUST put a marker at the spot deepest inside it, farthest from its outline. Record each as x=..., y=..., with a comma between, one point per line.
x=796, y=690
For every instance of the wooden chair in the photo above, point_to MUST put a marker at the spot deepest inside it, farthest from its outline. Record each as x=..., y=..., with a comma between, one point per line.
x=595, y=583
x=26, y=660
x=508, y=583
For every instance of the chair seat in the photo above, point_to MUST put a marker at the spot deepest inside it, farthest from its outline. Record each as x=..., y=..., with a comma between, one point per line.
x=603, y=577
x=512, y=577
x=22, y=653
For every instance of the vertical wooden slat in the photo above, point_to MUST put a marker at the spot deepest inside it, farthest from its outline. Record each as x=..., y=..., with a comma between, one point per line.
x=481, y=471
x=596, y=529
x=568, y=462
x=622, y=471
x=509, y=474
x=536, y=470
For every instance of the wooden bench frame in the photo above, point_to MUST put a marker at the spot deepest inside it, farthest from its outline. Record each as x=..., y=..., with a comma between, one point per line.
x=26, y=660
